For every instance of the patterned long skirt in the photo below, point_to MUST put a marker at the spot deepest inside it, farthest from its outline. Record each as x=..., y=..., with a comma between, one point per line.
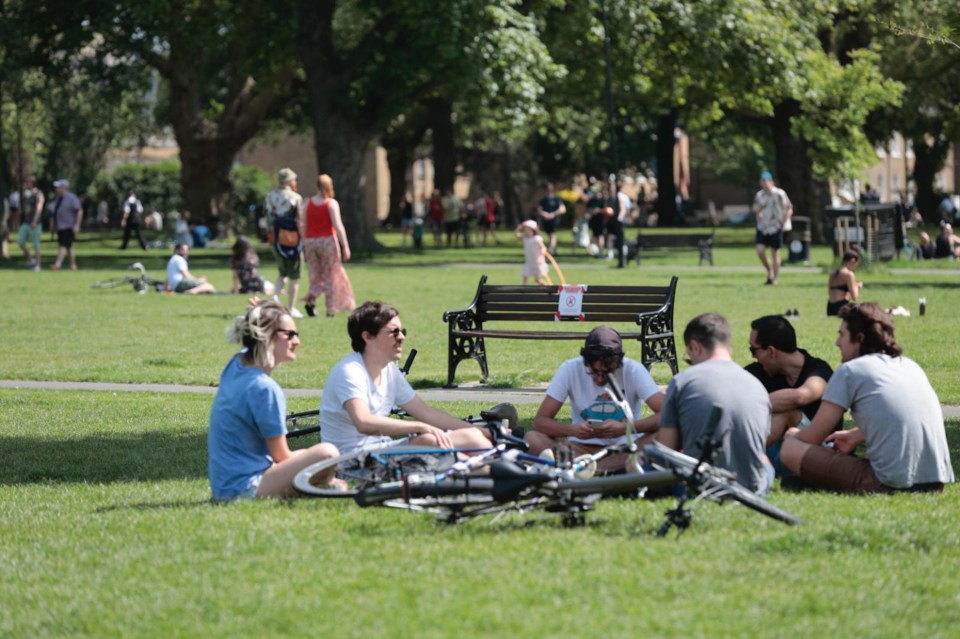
x=327, y=275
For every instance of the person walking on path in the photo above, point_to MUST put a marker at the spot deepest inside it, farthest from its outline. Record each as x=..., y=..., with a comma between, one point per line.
x=773, y=210
x=325, y=245
x=550, y=209
x=130, y=223
x=31, y=222
x=282, y=206
x=67, y=217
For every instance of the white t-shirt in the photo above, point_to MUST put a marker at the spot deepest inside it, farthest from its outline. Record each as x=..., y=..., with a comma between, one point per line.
x=175, y=268
x=349, y=380
x=591, y=402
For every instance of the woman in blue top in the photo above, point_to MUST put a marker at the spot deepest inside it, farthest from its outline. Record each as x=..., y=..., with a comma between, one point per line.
x=249, y=455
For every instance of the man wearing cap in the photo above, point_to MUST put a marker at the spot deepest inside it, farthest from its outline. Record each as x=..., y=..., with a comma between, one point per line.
x=773, y=210
x=597, y=418
x=67, y=216
x=715, y=380
x=282, y=206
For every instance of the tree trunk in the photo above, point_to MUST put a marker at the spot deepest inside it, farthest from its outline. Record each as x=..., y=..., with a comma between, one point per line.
x=398, y=161
x=340, y=142
x=666, y=188
x=444, y=153
x=929, y=158
x=400, y=143
x=795, y=168
x=205, y=180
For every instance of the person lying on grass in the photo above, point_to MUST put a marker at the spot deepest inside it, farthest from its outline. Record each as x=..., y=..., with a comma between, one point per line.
x=364, y=386
x=249, y=455
x=897, y=414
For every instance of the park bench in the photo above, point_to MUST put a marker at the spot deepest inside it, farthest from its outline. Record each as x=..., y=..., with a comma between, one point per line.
x=674, y=241
x=649, y=307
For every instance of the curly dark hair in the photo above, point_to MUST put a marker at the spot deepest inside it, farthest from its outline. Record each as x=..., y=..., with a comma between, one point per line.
x=874, y=326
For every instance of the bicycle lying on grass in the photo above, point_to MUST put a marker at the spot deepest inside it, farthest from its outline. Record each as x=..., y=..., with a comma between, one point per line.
x=504, y=478
x=141, y=283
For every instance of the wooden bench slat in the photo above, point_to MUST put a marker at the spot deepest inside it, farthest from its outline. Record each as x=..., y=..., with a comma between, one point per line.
x=539, y=335
x=590, y=318
x=527, y=291
x=551, y=309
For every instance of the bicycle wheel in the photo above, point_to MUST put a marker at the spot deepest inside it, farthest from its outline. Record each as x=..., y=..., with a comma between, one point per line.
x=715, y=484
x=114, y=282
x=365, y=468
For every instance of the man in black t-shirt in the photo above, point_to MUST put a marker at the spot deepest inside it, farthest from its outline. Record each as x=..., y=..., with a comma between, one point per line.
x=550, y=209
x=794, y=378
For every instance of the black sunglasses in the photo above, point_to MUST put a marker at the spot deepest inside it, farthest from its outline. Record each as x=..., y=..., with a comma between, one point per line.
x=289, y=332
x=397, y=332
x=754, y=349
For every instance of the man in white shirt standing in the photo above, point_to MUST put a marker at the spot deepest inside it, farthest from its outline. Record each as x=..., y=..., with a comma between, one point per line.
x=773, y=210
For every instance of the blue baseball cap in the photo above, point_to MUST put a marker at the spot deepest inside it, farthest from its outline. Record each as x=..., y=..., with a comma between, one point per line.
x=766, y=175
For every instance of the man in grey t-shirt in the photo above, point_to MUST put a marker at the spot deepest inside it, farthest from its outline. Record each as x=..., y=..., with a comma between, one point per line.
x=897, y=414
x=716, y=380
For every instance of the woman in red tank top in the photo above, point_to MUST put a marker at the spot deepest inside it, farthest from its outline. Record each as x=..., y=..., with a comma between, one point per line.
x=325, y=247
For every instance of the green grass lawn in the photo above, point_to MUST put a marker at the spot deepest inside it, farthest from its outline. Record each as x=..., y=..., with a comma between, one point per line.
x=57, y=328
x=108, y=530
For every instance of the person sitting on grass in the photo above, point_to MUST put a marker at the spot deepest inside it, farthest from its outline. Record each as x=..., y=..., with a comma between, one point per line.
x=179, y=277
x=842, y=285
x=364, y=386
x=245, y=264
x=598, y=420
x=247, y=443
x=896, y=411
x=794, y=378
x=716, y=380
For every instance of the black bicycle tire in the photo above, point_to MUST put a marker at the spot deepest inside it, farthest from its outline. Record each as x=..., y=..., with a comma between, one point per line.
x=756, y=503
x=114, y=282
x=443, y=491
x=725, y=487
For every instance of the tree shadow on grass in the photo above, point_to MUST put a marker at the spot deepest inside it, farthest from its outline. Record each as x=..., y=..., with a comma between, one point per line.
x=152, y=456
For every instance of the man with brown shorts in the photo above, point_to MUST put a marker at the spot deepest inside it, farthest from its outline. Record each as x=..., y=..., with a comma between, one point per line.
x=896, y=411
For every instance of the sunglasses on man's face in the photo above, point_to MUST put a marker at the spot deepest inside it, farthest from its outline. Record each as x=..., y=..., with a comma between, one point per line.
x=397, y=332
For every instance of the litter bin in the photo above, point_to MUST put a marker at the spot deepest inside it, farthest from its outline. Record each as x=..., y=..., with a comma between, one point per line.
x=798, y=240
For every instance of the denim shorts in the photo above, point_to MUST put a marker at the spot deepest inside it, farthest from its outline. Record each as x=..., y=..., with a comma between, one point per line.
x=250, y=492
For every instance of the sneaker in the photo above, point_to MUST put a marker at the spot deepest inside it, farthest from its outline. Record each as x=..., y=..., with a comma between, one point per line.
x=311, y=309
x=54, y=267
x=295, y=314
x=35, y=268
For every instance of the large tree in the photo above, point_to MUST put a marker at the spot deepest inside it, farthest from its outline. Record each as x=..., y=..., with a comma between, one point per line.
x=370, y=62
x=920, y=43
x=229, y=67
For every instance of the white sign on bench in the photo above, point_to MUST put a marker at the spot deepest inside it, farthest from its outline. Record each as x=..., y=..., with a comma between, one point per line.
x=570, y=302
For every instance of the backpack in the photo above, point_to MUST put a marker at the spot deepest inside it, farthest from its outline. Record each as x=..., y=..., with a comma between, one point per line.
x=286, y=235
